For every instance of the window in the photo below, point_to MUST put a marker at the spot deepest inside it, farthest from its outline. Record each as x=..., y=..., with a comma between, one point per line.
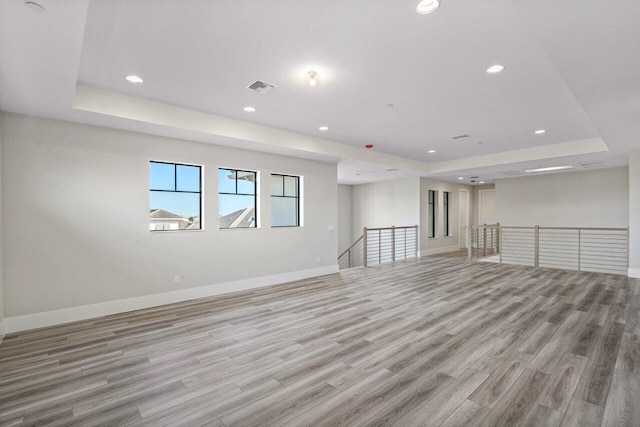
x=446, y=196
x=285, y=200
x=433, y=199
x=237, y=196
x=175, y=198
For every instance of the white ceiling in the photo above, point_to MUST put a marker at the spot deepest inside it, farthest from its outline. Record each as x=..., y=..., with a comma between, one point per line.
x=572, y=68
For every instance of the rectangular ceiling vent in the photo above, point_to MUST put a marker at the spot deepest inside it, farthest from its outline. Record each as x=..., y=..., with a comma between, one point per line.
x=262, y=87
x=591, y=164
x=463, y=136
x=510, y=173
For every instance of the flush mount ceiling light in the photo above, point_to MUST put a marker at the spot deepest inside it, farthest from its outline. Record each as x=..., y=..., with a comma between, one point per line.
x=323, y=128
x=495, y=69
x=249, y=109
x=312, y=78
x=461, y=177
x=481, y=182
x=426, y=7
x=132, y=78
x=431, y=151
x=540, y=131
x=552, y=168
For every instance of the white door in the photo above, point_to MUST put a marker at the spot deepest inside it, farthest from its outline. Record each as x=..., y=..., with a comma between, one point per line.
x=463, y=220
x=487, y=207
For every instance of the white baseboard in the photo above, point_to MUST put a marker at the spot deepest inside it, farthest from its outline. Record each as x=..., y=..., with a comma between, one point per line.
x=2, y=331
x=634, y=272
x=73, y=314
x=433, y=251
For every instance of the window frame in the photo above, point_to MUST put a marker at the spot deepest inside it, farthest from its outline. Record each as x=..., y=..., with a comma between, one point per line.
x=446, y=205
x=175, y=190
x=255, y=197
x=432, y=201
x=299, y=180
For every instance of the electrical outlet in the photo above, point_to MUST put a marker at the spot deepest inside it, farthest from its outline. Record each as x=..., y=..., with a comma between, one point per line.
x=176, y=280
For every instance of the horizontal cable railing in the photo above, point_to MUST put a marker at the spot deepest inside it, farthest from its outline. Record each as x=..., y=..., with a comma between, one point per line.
x=604, y=250
x=353, y=255
x=380, y=245
x=389, y=244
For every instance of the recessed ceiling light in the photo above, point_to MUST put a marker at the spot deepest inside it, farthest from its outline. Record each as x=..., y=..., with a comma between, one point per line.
x=552, y=168
x=132, y=78
x=540, y=131
x=312, y=78
x=494, y=69
x=323, y=128
x=460, y=177
x=36, y=7
x=426, y=7
x=431, y=151
x=249, y=109
x=481, y=182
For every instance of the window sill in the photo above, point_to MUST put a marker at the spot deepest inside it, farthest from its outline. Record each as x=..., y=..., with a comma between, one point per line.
x=239, y=228
x=174, y=231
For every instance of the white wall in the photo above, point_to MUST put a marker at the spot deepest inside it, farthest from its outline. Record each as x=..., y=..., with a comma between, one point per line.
x=634, y=214
x=345, y=214
x=441, y=243
x=387, y=203
x=475, y=196
x=76, y=218
x=1, y=240
x=597, y=198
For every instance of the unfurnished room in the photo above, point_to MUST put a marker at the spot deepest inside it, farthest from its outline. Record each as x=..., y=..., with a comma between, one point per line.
x=300, y=213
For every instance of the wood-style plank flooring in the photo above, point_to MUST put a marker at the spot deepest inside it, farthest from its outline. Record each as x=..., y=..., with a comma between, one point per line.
x=427, y=342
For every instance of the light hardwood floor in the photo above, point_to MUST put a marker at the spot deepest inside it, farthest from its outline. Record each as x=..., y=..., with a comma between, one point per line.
x=434, y=341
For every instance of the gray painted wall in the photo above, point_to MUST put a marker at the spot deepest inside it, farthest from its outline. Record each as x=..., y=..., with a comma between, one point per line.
x=1, y=239
x=345, y=215
x=634, y=214
x=597, y=198
x=387, y=203
x=441, y=243
x=76, y=217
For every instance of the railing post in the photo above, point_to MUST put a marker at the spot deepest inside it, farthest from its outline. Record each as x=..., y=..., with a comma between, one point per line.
x=468, y=233
x=536, y=251
x=500, y=242
x=349, y=253
x=484, y=240
x=393, y=243
x=498, y=239
x=478, y=241
x=364, y=246
x=579, y=248
x=379, y=246
x=491, y=249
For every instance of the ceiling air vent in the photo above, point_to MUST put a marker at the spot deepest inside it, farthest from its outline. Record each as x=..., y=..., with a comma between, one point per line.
x=510, y=173
x=463, y=136
x=262, y=87
x=591, y=164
